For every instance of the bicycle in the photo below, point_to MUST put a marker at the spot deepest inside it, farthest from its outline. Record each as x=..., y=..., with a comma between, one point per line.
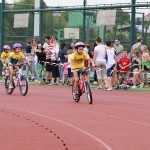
x=82, y=87
x=18, y=80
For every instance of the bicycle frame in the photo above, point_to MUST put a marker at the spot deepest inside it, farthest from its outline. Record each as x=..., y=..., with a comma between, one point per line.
x=83, y=86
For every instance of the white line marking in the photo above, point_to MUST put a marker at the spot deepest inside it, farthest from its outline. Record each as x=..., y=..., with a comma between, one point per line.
x=68, y=124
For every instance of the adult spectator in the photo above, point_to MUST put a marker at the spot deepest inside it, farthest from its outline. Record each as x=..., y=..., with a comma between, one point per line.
x=118, y=50
x=47, y=38
x=110, y=64
x=53, y=49
x=137, y=47
x=95, y=75
x=34, y=60
x=100, y=62
x=73, y=47
x=28, y=57
x=63, y=56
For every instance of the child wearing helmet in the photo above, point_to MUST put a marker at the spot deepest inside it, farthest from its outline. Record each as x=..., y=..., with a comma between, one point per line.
x=13, y=58
x=77, y=61
x=4, y=57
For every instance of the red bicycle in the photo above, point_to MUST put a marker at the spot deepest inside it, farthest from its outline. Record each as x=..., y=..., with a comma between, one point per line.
x=83, y=86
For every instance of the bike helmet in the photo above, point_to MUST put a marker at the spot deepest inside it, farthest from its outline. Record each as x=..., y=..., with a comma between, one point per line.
x=6, y=47
x=17, y=45
x=78, y=44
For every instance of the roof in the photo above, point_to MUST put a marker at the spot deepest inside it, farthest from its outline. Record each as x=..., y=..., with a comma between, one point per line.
x=147, y=16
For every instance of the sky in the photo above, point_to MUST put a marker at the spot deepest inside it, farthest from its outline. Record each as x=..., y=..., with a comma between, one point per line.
x=89, y=2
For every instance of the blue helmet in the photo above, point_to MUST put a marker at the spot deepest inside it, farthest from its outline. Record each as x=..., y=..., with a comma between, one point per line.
x=17, y=45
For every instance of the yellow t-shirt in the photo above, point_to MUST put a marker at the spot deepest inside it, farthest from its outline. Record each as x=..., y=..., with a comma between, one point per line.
x=15, y=57
x=77, y=61
x=4, y=56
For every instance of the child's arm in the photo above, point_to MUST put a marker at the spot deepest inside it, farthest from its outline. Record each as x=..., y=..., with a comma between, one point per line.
x=128, y=65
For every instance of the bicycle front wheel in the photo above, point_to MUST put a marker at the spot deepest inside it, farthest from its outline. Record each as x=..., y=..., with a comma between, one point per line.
x=23, y=85
x=7, y=82
x=75, y=96
x=89, y=92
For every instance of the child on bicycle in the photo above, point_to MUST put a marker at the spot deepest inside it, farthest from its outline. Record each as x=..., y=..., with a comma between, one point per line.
x=77, y=62
x=13, y=58
x=4, y=57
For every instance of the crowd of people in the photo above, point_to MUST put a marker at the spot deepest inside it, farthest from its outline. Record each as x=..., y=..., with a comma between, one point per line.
x=113, y=65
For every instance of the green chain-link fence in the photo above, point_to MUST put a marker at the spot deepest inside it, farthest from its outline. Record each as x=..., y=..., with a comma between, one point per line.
x=54, y=20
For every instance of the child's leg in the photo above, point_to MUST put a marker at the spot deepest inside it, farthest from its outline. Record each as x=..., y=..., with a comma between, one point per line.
x=47, y=76
x=11, y=76
x=135, y=75
x=125, y=81
x=119, y=80
x=146, y=79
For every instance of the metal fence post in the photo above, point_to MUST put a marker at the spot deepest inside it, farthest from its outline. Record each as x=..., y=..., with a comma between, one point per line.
x=2, y=3
x=142, y=25
x=41, y=23
x=132, y=38
x=84, y=20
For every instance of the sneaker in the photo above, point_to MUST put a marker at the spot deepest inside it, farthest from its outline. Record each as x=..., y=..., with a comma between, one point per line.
x=141, y=85
x=116, y=88
x=39, y=82
x=95, y=82
x=74, y=95
x=10, y=87
x=36, y=80
x=125, y=88
x=134, y=87
x=3, y=73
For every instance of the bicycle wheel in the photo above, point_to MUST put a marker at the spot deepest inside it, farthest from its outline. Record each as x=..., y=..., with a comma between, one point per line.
x=7, y=82
x=23, y=85
x=89, y=92
x=76, y=97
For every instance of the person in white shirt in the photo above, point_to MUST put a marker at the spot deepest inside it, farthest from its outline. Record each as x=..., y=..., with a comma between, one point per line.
x=47, y=40
x=111, y=62
x=100, y=62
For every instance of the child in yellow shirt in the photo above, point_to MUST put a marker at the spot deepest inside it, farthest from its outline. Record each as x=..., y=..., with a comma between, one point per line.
x=4, y=57
x=13, y=58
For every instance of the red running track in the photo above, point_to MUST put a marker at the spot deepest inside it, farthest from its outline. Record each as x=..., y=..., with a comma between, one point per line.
x=48, y=119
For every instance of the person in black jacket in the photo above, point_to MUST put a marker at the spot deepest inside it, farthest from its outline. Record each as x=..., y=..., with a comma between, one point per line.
x=41, y=61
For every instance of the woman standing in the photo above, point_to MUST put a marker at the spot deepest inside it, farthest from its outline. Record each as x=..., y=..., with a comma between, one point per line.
x=41, y=61
x=100, y=63
x=53, y=49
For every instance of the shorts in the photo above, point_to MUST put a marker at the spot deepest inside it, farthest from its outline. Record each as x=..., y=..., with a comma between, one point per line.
x=70, y=74
x=110, y=71
x=48, y=67
x=145, y=68
x=122, y=74
x=55, y=71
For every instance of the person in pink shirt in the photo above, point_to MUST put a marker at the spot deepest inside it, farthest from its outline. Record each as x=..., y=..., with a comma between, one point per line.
x=65, y=71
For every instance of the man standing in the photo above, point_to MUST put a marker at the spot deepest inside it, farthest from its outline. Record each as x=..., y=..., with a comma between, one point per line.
x=118, y=50
x=137, y=47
